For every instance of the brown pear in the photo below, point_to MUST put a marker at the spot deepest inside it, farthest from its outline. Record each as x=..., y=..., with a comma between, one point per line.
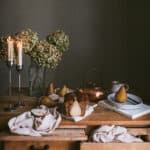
x=50, y=89
x=45, y=100
x=121, y=95
x=62, y=91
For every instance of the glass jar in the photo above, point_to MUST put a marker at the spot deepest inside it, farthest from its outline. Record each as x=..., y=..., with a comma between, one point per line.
x=36, y=80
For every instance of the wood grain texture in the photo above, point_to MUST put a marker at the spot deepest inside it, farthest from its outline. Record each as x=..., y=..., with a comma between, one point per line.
x=5, y=115
x=66, y=137
x=100, y=116
x=114, y=146
x=57, y=135
x=5, y=100
x=103, y=116
x=121, y=146
x=139, y=131
x=57, y=145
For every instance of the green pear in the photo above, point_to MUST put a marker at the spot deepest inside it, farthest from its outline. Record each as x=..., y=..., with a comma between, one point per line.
x=63, y=91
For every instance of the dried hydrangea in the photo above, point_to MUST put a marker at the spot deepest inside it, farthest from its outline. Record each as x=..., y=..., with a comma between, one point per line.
x=59, y=39
x=28, y=38
x=46, y=55
x=3, y=49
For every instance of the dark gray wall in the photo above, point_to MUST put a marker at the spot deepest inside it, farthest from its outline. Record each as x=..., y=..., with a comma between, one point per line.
x=107, y=35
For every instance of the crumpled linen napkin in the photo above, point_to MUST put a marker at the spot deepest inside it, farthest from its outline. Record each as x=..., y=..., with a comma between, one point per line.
x=89, y=110
x=106, y=134
x=28, y=124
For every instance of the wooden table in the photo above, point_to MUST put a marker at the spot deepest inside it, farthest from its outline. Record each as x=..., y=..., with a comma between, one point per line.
x=74, y=135
x=103, y=116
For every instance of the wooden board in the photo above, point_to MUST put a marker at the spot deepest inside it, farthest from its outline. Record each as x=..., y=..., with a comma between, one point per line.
x=103, y=116
x=57, y=135
x=5, y=115
x=5, y=100
x=115, y=146
x=53, y=145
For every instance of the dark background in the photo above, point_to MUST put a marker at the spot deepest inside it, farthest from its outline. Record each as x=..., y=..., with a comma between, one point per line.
x=109, y=36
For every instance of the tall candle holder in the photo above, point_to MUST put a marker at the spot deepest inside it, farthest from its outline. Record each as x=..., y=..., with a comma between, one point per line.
x=11, y=106
x=20, y=102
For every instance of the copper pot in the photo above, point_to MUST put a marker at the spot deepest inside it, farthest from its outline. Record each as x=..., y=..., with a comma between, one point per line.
x=95, y=94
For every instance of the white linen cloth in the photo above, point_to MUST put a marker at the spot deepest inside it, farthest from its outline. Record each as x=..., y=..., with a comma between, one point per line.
x=89, y=110
x=28, y=124
x=106, y=134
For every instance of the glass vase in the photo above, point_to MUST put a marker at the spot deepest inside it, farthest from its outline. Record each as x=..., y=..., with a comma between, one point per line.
x=37, y=76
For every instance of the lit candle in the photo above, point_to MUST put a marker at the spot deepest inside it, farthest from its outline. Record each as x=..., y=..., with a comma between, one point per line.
x=19, y=53
x=10, y=43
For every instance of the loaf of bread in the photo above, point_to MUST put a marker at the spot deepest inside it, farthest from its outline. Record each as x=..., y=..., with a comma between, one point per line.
x=75, y=104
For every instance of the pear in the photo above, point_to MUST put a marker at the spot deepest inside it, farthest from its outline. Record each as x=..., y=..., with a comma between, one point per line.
x=75, y=109
x=62, y=91
x=50, y=89
x=45, y=100
x=121, y=95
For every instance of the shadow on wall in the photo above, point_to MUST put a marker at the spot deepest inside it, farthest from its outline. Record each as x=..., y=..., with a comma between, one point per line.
x=107, y=35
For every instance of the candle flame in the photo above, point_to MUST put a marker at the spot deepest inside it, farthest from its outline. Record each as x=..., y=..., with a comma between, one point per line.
x=19, y=44
x=9, y=39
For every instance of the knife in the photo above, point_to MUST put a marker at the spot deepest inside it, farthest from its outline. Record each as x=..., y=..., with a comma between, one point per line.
x=133, y=100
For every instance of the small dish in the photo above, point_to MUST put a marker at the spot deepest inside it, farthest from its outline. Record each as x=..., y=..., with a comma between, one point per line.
x=133, y=101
